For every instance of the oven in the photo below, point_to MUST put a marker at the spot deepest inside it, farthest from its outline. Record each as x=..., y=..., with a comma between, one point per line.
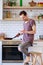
x=10, y=53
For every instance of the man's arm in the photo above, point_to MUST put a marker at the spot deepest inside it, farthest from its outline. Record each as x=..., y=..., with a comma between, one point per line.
x=33, y=30
x=30, y=32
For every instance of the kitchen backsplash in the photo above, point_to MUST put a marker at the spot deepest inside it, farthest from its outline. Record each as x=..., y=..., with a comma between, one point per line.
x=10, y=28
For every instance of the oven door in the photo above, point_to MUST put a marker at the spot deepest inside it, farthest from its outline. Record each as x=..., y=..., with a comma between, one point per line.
x=10, y=53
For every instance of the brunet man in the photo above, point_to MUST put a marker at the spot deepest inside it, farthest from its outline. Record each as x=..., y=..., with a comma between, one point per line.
x=28, y=35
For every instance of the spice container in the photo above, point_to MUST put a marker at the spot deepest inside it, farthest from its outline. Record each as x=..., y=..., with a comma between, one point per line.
x=40, y=4
x=8, y=14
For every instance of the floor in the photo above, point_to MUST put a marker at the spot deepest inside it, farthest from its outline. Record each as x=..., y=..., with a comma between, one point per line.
x=16, y=64
x=12, y=64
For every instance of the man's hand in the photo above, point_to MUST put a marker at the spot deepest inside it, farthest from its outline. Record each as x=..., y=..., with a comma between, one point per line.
x=17, y=35
x=22, y=31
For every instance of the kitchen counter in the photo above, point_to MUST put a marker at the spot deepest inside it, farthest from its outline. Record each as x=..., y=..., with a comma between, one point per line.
x=21, y=40
x=11, y=40
x=18, y=41
x=39, y=40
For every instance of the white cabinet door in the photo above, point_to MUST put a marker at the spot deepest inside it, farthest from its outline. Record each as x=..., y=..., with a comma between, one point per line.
x=1, y=9
x=38, y=43
x=0, y=52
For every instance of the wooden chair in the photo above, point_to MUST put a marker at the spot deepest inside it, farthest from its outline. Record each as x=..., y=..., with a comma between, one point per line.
x=35, y=56
x=36, y=53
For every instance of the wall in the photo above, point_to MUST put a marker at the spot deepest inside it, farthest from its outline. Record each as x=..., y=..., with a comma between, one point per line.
x=1, y=8
x=10, y=28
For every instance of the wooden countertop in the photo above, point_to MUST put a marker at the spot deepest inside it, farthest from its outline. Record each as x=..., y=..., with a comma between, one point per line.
x=38, y=40
x=13, y=42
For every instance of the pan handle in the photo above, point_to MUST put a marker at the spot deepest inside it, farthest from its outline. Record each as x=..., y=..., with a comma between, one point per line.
x=17, y=35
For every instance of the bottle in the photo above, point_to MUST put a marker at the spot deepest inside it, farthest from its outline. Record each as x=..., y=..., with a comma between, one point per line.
x=20, y=2
x=8, y=14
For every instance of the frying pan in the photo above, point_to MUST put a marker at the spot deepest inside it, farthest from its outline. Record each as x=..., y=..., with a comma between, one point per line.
x=7, y=38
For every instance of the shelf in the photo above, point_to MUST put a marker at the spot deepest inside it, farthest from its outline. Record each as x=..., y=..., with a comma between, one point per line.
x=23, y=7
x=18, y=19
x=12, y=19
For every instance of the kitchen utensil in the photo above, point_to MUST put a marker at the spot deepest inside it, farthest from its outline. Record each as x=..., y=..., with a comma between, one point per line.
x=12, y=37
x=17, y=35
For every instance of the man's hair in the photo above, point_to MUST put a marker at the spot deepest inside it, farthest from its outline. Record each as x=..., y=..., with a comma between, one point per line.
x=23, y=12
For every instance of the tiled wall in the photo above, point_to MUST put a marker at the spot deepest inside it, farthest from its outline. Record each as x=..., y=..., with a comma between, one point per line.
x=10, y=28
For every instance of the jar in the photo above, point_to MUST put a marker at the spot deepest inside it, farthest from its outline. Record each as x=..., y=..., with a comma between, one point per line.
x=8, y=14
x=40, y=4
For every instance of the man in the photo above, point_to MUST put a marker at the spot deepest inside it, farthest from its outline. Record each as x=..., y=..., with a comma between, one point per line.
x=28, y=35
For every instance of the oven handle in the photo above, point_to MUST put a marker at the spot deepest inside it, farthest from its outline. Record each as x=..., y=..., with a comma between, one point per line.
x=10, y=46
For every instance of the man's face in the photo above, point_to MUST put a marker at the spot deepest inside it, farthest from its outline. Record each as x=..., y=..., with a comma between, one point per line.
x=23, y=17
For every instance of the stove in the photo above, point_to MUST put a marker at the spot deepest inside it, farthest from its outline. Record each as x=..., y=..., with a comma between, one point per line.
x=10, y=52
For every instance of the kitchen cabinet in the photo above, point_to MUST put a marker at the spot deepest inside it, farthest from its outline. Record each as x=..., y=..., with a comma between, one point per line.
x=1, y=9
x=38, y=43
x=10, y=12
